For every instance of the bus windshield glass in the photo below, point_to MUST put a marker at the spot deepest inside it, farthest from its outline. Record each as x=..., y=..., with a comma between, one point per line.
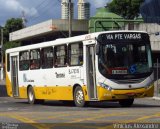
x=123, y=59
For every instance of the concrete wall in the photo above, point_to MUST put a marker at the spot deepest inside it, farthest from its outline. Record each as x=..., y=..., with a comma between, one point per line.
x=47, y=27
x=151, y=28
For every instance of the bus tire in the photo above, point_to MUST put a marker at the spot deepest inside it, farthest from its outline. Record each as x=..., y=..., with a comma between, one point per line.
x=126, y=102
x=79, y=97
x=31, y=95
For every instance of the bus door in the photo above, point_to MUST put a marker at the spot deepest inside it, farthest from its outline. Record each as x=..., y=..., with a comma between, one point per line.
x=14, y=75
x=91, y=72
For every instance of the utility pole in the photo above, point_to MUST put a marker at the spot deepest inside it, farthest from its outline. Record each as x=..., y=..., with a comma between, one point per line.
x=2, y=69
x=70, y=18
x=24, y=20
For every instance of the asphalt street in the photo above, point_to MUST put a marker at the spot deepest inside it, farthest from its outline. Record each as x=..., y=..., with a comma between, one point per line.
x=18, y=114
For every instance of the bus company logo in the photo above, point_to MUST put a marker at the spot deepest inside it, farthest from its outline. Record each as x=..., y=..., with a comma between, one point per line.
x=60, y=75
x=24, y=77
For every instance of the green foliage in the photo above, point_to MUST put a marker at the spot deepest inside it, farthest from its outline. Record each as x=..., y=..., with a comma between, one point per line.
x=8, y=45
x=11, y=25
x=128, y=9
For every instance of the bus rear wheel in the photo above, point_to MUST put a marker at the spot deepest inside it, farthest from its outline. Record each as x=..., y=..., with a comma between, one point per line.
x=31, y=95
x=126, y=102
x=79, y=97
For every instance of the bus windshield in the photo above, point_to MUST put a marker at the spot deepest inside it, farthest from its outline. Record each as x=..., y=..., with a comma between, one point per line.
x=125, y=60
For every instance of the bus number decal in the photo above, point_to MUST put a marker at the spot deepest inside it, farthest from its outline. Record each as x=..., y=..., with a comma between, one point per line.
x=74, y=73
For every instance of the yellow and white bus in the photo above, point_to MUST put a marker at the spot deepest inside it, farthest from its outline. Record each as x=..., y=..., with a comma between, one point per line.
x=102, y=66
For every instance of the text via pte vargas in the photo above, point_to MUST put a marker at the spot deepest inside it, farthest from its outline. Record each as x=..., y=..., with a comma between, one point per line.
x=123, y=36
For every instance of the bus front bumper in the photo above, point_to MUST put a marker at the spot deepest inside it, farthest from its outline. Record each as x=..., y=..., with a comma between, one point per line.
x=117, y=94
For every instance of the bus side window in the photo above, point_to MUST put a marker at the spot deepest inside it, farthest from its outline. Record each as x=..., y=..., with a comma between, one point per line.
x=47, y=57
x=8, y=62
x=24, y=60
x=35, y=59
x=60, y=54
x=75, y=54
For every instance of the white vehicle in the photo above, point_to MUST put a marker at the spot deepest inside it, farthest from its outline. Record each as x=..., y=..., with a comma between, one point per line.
x=111, y=65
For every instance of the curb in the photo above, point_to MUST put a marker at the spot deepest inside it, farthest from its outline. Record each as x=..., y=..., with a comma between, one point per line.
x=156, y=98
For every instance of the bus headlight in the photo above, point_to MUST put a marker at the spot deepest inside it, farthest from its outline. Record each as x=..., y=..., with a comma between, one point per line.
x=148, y=86
x=105, y=86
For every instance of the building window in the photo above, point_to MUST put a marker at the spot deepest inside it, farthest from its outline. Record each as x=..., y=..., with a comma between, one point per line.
x=47, y=57
x=60, y=55
x=35, y=59
x=24, y=60
x=75, y=54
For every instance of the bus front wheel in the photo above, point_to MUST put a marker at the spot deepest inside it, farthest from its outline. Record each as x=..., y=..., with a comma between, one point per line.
x=79, y=97
x=126, y=102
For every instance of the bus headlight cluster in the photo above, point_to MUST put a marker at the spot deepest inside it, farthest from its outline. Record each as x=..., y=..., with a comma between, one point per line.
x=105, y=86
x=148, y=86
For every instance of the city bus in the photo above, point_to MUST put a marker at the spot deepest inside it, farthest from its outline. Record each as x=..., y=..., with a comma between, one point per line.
x=101, y=66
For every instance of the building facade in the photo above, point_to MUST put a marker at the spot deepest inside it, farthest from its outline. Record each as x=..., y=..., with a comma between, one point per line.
x=65, y=9
x=83, y=9
x=49, y=30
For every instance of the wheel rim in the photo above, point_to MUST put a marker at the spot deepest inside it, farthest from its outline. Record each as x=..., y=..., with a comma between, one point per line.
x=79, y=97
x=31, y=96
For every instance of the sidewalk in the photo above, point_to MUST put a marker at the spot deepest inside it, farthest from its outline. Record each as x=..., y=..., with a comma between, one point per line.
x=156, y=98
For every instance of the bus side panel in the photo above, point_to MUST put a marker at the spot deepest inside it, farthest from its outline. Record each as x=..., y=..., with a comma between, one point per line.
x=54, y=92
x=23, y=92
x=8, y=85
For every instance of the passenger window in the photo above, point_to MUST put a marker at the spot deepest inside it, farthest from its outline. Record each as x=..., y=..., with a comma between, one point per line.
x=47, y=57
x=60, y=56
x=76, y=54
x=8, y=62
x=35, y=59
x=24, y=60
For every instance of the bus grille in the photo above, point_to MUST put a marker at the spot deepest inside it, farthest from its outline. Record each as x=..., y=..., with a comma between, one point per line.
x=128, y=81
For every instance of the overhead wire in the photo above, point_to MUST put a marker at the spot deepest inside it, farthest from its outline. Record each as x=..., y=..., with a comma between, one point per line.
x=44, y=10
x=38, y=6
x=46, y=6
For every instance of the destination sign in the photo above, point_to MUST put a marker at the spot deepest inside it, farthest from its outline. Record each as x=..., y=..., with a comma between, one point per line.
x=123, y=36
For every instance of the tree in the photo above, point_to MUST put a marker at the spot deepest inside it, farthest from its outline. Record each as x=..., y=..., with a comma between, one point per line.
x=128, y=9
x=11, y=25
x=10, y=44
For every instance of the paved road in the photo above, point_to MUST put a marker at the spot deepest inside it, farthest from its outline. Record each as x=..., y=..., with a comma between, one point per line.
x=18, y=114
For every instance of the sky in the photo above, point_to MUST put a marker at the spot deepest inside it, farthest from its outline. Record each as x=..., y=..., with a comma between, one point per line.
x=37, y=11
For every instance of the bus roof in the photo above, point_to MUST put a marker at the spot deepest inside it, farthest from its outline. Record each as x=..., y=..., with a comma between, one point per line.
x=60, y=41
